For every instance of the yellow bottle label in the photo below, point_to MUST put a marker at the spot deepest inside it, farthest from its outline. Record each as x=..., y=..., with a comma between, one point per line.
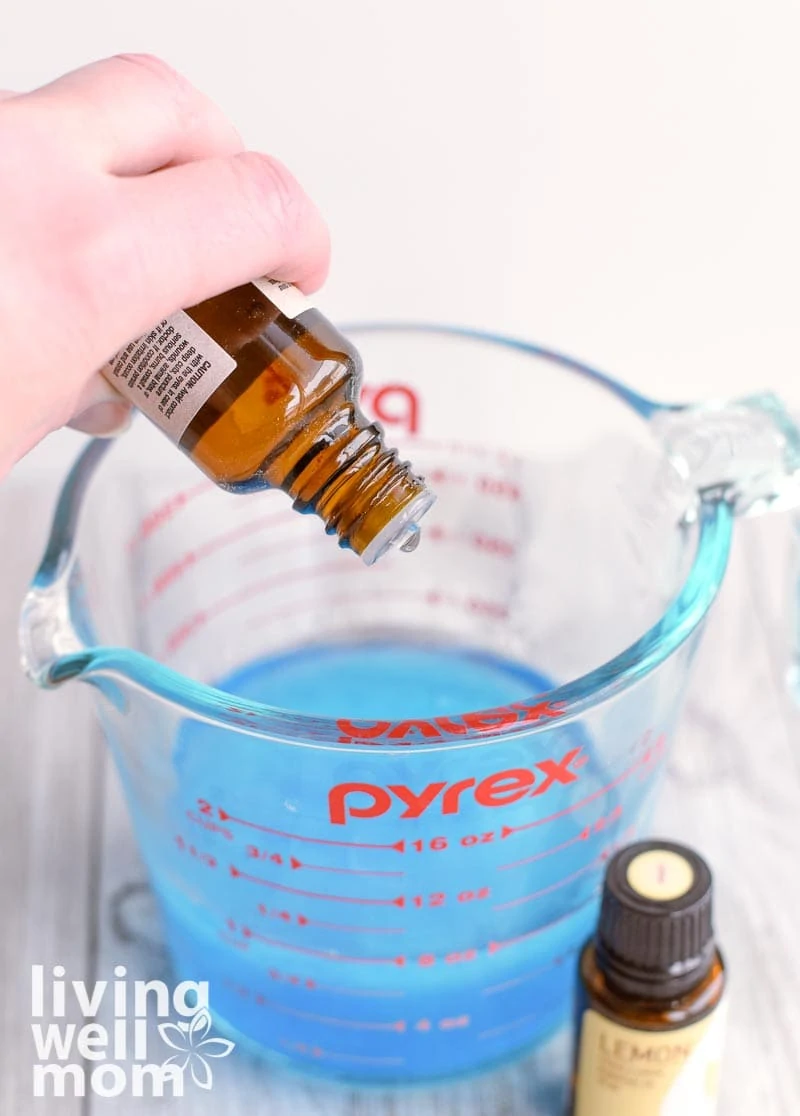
x=626, y=1072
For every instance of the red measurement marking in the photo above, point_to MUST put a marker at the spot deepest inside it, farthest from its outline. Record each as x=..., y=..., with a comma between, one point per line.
x=304, y=920
x=553, y=887
x=234, y=943
x=439, y=477
x=490, y=544
x=370, y=993
x=178, y=637
x=197, y=854
x=643, y=761
x=291, y=978
x=493, y=1032
x=505, y=943
x=582, y=836
x=328, y=955
x=492, y=989
x=398, y=846
x=498, y=487
x=395, y=405
x=398, y=1025
x=165, y=512
x=211, y=826
x=477, y=606
x=330, y=1055
x=334, y=601
x=366, y=901
x=183, y=564
x=295, y=863
x=190, y=627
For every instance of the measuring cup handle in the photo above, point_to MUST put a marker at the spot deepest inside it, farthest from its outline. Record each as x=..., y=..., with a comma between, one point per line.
x=743, y=451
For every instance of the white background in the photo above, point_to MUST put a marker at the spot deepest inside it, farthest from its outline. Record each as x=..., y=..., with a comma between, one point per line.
x=620, y=180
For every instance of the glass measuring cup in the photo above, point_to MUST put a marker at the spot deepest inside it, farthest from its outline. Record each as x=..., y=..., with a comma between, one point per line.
x=375, y=805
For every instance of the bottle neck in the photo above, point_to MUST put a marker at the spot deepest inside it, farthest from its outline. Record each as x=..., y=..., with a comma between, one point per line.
x=657, y=986
x=340, y=468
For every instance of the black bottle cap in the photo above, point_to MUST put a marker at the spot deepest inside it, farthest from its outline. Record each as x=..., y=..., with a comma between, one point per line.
x=655, y=938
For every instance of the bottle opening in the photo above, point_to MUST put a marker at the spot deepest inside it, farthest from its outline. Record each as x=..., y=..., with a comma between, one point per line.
x=402, y=531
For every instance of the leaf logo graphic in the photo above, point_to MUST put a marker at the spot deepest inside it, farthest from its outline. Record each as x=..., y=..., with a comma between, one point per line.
x=190, y=1039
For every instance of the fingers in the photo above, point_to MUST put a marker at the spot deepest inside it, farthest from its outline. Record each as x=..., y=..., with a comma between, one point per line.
x=135, y=114
x=184, y=234
x=100, y=410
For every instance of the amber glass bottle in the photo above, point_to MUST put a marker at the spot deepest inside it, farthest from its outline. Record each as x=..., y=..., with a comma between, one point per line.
x=651, y=1010
x=260, y=390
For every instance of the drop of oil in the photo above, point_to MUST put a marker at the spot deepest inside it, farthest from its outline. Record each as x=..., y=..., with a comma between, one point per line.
x=412, y=542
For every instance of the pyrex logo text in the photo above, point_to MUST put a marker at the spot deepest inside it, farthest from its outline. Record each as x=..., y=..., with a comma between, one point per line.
x=367, y=800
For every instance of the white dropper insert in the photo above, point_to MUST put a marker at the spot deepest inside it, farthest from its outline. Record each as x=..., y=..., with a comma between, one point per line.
x=402, y=532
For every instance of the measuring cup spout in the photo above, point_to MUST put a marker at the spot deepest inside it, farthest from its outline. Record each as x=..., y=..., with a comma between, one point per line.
x=745, y=452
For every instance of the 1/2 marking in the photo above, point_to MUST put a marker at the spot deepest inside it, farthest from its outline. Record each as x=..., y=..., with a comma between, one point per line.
x=203, y=857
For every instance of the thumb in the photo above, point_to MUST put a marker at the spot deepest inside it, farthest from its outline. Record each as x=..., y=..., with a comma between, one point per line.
x=100, y=410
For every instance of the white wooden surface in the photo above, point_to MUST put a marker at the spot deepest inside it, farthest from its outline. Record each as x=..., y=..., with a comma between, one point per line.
x=73, y=890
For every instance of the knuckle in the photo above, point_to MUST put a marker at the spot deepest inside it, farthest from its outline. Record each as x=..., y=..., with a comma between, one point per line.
x=155, y=65
x=271, y=191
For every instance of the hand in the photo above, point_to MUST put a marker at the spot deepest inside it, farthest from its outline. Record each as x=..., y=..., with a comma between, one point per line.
x=125, y=195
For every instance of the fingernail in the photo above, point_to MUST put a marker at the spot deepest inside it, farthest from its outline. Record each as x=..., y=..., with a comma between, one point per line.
x=104, y=420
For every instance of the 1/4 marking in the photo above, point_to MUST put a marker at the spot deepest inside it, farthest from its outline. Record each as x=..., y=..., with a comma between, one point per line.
x=303, y=920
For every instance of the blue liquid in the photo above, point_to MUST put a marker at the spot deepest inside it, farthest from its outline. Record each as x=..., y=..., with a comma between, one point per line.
x=384, y=680
x=413, y=947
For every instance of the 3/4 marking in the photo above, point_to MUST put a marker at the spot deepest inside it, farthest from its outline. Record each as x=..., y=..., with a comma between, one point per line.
x=295, y=863
x=253, y=852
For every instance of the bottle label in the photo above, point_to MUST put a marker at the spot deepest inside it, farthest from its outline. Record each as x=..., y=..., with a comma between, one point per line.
x=626, y=1072
x=284, y=296
x=170, y=372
